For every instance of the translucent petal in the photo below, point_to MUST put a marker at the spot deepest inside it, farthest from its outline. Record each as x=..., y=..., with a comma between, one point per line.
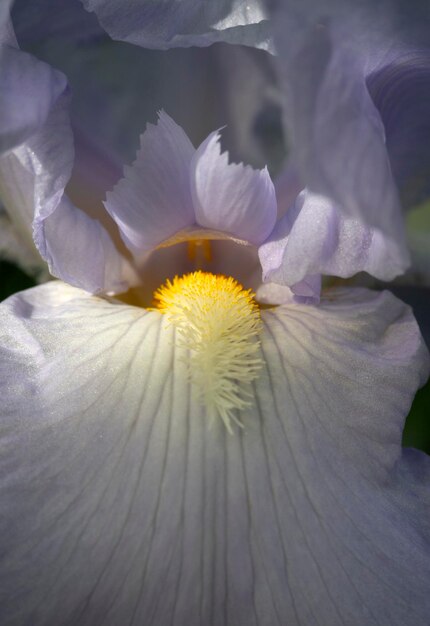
x=32, y=181
x=400, y=89
x=121, y=504
x=315, y=237
x=231, y=197
x=28, y=92
x=336, y=130
x=182, y=23
x=153, y=200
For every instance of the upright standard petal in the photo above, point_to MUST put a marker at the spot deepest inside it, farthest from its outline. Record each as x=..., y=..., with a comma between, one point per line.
x=32, y=181
x=336, y=130
x=182, y=23
x=153, y=200
x=122, y=505
x=314, y=237
x=20, y=250
x=231, y=197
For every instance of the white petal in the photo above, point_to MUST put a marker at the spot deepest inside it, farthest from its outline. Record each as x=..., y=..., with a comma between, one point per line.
x=121, y=505
x=231, y=197
x=271, y=293
x=153, y=200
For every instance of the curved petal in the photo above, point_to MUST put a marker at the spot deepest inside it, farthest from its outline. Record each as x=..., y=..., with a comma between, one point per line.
x=314, y=237
x=90, y=261
x=29, y=90
x=121, y=504
x=183, y=23
x=336, y=130
x=32, y=180
x=308, y=290
x=231, y=197
x=153, y=200
x=144, y=81
x=400, y=89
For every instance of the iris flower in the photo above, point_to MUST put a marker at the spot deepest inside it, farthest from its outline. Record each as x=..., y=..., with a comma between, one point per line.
x=134, y=490
x=355, y=89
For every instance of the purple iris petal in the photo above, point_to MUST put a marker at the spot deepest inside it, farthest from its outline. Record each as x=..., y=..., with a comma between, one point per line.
x=308, y=289
x=33, y=176
x=356, y=91
x=29, y=89
x=171, y=186
x=336, y=129
x=153, y=200
x=314, y=237
x=400, y=90
x=231, y=197
x=120, y=502
x=182, y=23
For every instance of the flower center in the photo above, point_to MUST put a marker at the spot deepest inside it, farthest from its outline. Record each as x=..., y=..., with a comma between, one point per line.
x=218, y=322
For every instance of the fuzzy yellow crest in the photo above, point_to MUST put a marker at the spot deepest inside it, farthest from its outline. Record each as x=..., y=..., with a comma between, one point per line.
x=218, y=321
